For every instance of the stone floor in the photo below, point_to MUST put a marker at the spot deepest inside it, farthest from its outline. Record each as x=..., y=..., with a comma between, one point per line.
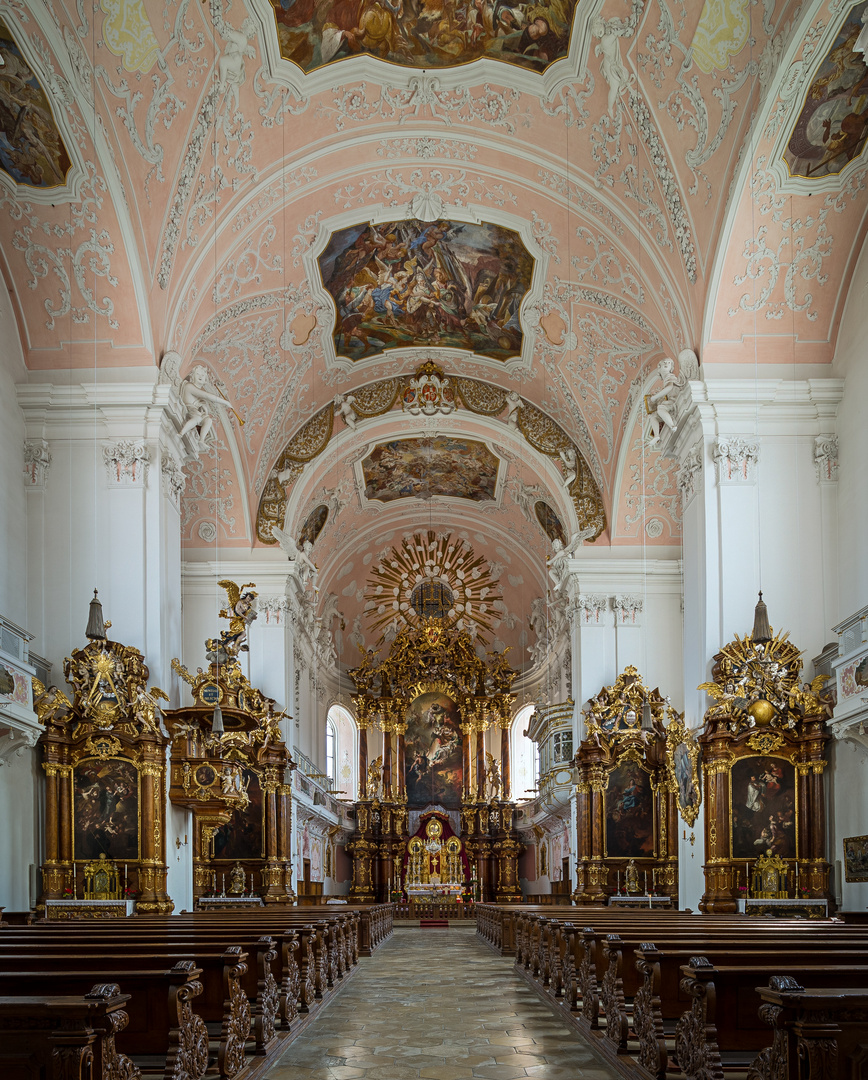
x=437, y=1004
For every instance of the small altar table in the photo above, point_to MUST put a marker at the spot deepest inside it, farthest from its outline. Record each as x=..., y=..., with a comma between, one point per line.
x=637, y=901
x=61, y=910
x=784, y=908
x=228, y=903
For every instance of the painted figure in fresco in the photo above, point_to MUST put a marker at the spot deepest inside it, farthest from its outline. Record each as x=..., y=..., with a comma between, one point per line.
x=419, y=282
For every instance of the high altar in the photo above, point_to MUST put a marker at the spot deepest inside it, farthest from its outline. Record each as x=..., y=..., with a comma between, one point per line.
x=434, y=815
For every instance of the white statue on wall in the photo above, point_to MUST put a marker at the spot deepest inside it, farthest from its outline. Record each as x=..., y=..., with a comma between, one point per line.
x=195, y=399
x=570, y=460
x=513, y=404
x=299, y=556
x=611, y=65
x=660, y=405
x=230, y=66
x=344, y=405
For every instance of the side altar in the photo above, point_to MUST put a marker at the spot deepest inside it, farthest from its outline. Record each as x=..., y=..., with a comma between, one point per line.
x=231, y=767
x=104, y=761
x=434, y=813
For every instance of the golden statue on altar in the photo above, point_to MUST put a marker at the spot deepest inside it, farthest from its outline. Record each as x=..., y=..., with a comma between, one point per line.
x=101, y=880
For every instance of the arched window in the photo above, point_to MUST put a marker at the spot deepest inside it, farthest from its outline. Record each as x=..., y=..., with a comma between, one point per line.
x=525, y=757
x=330, y=748
x=342, y=752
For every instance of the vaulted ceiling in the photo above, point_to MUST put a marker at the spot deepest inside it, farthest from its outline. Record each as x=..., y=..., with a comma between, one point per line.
x=578, y=188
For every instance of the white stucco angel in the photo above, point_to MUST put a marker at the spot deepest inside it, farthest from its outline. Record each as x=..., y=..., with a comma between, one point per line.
x=344, y=405
x=609, y=50
x=660, y=404
x=300, y=556
x=230, y=66
x=195, y=397
x=561, y=552
x=513, y=404
x=570, y=460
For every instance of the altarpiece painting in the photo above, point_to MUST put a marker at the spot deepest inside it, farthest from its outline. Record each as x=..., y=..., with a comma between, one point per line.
x=433, y=751
x=105, y=809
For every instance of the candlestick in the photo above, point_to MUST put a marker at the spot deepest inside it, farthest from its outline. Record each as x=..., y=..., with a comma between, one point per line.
x=646, y=882
x=223, y=884
x=619, y=882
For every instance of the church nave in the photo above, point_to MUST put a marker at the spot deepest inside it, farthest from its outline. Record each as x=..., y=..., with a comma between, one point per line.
x=436, y=1004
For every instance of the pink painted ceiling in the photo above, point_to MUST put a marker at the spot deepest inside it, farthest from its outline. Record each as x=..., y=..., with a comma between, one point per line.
x=642, y=162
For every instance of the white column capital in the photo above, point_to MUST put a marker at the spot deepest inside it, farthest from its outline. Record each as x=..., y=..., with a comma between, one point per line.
x=628, y=609
x=126, y=463
x=736, y=458
x=37, y=461
x=826, y=458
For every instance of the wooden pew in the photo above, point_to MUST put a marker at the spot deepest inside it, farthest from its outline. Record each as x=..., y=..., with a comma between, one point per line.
x=71, y=1038
x=824, y=1028
x=222, y=1003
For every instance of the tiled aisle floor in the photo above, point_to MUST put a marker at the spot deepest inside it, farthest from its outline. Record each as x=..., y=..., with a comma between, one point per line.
x=436, y=1004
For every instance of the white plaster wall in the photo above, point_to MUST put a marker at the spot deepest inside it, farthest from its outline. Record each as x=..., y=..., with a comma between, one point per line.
x=847, y=817
x=20, y=779
x=19, y=838
x=851, y=364
x=13, y=518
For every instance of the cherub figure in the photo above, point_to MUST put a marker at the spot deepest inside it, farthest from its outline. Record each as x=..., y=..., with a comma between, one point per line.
x=611, y=65
x=659, y=404
x=195, y=399
x=344, y=405
x=570, y=460
x=230, y=66
x=513, y=404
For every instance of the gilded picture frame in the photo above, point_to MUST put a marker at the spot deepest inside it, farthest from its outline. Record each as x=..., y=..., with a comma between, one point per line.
x=855, y=858
x=684, y=768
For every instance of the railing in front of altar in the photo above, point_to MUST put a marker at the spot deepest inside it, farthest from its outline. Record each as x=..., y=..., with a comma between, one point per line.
x=434, y=909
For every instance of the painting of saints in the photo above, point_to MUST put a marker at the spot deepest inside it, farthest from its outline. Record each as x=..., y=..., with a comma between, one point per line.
x=106, y=810
x=241, y=838
x=434, y=766
x=763, y=808
x=31, y=146
x=424, y=33
x=629, y=813
x=832, y=127
x=453, y=284
x=410, y=468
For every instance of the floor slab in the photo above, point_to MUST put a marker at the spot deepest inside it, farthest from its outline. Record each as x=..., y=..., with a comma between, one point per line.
x=437, y=1005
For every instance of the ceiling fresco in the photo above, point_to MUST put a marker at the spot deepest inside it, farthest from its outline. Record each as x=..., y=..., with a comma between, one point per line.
x=633, y=180
x=450, y=284
x=423, y=468
x=424, y=33
x=32, y=150
x=832, y=127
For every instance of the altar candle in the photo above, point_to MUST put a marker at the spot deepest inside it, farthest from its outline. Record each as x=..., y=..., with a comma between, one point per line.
x=646, y=882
